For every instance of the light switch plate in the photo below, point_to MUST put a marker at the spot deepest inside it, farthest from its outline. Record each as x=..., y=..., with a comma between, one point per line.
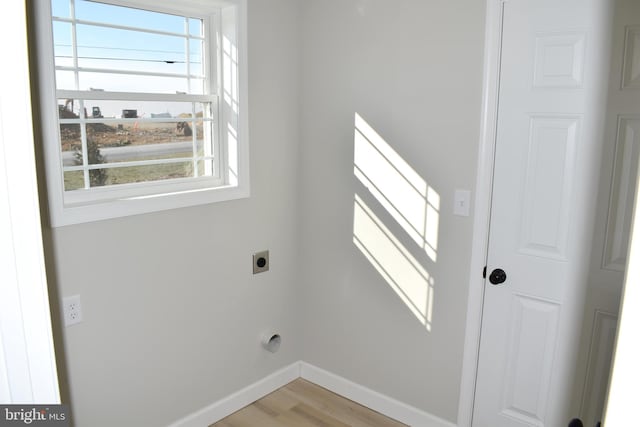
x=462, y=203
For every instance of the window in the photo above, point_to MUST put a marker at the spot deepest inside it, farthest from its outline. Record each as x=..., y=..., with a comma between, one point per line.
x=143, y=106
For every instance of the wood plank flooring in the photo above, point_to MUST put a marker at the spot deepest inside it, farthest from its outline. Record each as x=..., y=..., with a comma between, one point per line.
x=304, y=404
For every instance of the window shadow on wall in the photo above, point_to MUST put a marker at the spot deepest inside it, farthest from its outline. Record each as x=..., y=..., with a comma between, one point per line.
x=414, y=206
x=231, y=97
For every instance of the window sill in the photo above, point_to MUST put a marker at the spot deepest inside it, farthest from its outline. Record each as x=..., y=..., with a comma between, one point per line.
x=122, y=207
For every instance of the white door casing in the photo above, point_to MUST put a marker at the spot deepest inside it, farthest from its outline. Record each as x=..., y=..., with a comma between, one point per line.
x=546, y=165
x=28, y=372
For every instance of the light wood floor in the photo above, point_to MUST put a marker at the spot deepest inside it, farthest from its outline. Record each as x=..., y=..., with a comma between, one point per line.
x=303, y=404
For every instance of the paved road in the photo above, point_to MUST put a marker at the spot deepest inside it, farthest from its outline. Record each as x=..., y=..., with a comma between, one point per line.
x=134, y=152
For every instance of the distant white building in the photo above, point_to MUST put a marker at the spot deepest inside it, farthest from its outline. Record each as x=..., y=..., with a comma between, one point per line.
x=160, y=116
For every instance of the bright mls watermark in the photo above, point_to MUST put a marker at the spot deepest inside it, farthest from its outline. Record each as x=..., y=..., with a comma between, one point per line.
x=34, y=415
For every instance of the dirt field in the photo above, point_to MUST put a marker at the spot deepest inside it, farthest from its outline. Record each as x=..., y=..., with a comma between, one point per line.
x=118, y=134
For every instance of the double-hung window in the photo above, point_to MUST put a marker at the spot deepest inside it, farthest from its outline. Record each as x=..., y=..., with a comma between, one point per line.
x=143, y=105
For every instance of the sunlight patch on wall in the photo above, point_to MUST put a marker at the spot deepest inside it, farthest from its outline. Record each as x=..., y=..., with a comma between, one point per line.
x=397, y=186
x=230, y=95
x=404, y=274
x=230, y=73
x=232, y=148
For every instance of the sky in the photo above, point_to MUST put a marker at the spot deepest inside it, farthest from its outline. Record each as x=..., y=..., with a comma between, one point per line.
x=124, y=50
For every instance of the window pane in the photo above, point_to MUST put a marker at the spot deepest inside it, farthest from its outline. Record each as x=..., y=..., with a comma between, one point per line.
x=205, y=138
x=197, y=87
x=68, y=109
x=133, y=83
x=140, y=134
x=198, y=131
x=132, y=174
x=70, y=145
x=137, y=65
x=117, y=142
x=117, y=49
x=63, y=60
x=65, y=80
x=60, y=8
x=105, y=13
x=195, y=56
x=63, y=50
x=141, y=109
x=206, y=167
x=195, y=27
x=73, y=180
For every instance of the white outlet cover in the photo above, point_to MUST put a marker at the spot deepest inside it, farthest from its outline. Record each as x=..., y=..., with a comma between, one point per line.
x=72, y=310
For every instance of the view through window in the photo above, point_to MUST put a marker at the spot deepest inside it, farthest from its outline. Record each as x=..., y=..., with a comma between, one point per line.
x=135, y=97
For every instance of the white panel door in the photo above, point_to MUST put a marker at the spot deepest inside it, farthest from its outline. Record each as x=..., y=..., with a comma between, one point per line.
x=614, y=213
x=550, y=122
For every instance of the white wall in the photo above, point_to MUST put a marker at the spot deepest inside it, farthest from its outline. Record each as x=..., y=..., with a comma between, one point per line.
x=172, y=312
x=412, y=69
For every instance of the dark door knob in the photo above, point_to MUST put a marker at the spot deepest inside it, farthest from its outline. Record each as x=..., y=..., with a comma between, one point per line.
x=497, y=276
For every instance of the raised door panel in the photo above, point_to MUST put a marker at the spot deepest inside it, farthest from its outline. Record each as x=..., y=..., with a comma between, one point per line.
x=549, y=180
x=559, y=60
x=532, y=342
x=631, y=69
x=600, y=356
x=623, y=189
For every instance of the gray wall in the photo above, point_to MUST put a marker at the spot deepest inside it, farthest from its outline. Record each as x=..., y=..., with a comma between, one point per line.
x=412, y=69
x=172, y=312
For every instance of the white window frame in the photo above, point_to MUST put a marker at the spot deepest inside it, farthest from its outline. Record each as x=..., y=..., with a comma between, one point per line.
x=227, y=22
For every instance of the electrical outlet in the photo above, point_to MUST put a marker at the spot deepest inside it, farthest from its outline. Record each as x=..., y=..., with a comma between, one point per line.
x=72, y=310
x=260, y=262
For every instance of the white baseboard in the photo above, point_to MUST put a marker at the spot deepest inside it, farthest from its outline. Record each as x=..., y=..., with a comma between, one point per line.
x=371, y=399
x=238, y=400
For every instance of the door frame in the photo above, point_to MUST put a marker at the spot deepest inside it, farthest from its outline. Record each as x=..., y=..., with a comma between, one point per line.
x=482, y=206
x=28, y=372
x=494, y=15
